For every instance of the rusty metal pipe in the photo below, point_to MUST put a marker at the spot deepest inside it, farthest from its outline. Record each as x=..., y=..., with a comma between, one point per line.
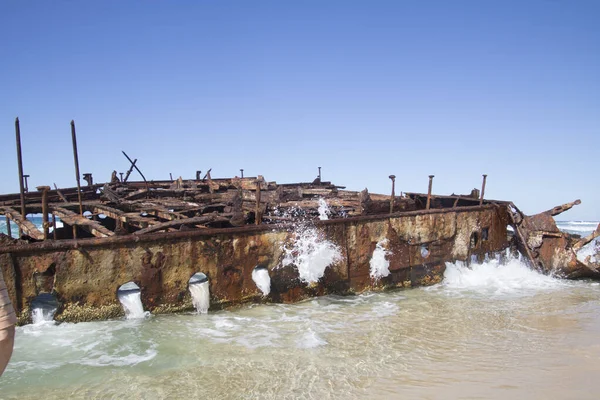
x=393, y=178
x=319, y=174
x=242, y=172
x=45, y=225
x=8, y=230
x=76, y=159
x=140, y=172
x=429, y=192
x=20, y=162
x=129, y=171
x=54, y=234
x=482, y=189
x=257, y=217
x=26, y=177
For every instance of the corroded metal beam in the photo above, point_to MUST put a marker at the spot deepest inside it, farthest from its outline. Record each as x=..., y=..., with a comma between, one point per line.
x=187, y=221
x=74, y=219
x=24, y=225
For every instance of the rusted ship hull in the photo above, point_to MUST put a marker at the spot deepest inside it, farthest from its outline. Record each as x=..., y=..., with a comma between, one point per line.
x=84, y=274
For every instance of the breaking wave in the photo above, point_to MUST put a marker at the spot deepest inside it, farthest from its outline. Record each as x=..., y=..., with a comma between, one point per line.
x=577, y=227
x=493, y=277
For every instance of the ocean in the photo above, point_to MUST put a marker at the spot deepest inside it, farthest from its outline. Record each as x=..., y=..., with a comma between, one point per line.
x=489, y=331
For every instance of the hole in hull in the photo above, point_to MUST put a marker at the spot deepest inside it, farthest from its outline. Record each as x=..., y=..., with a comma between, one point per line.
x=130, y=296
x=200, y=291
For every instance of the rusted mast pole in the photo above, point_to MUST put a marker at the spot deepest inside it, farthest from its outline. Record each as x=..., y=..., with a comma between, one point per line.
x=8, y=231
x=393, y=178
x=76, y=158
x=257, y=217
x=45, y=225
x=482, y=189
x=20, y=162
x=242, y=172
x=54, y=234
x=429, y=192
x=140, y=172
x=319, y=174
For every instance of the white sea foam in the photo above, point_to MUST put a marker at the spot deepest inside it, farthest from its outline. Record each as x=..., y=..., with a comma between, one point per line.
x=577, y=227
x=41, y=316
x=591, y=250
x=102, y=360
x=311, y=253
x=310, y=339
x=493, y=277
x=261, y=278
x=583, y=228
x=379, y=264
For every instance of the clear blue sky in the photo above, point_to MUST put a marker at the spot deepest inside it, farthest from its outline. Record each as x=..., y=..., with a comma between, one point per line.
x=364, y=89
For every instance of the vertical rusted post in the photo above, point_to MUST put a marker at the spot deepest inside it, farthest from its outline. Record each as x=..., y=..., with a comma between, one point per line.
x=26, y=177
x=76, y=158
x=54, y=234
x=20, y=162
x=242, y=172
x=170, y=176
x=258, y=217
x=393, y=178
x=429, y=192
x=45, y=225
x=8, y=230
x=121, y=175
x=319, y=174
x=482, y=189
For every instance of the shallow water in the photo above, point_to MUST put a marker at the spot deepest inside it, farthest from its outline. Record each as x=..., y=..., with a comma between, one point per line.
x=489, y=331
x=533, y=339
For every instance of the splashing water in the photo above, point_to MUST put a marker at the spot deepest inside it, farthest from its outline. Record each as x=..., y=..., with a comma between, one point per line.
x=379, y=265
x=130, y=297
x=132, y=304
x=311, y=253
x=583, y=228
x=310, y=340
x=43, y=308
x=41, y=316
x=200, y=296
x=592, y=249
x=493, y=276
x=261, y=278
x=323, y=209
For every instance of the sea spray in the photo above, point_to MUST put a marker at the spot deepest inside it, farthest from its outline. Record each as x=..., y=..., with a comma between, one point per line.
x=583, y=228
x=130, y=297
x=310, y=252
x=260, y=276
x=200, y=291
x=323, y=209
x=43, y=307
x=591, y=250
x=379, y=264
x=511, y=276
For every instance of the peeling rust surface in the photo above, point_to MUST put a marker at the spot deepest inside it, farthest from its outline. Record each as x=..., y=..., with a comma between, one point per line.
x=85, y=279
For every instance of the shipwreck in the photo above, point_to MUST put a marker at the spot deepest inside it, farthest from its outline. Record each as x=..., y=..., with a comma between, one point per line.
x=240, y=236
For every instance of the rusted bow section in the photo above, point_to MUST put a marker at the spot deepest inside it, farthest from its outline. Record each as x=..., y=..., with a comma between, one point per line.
x=548, y=249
